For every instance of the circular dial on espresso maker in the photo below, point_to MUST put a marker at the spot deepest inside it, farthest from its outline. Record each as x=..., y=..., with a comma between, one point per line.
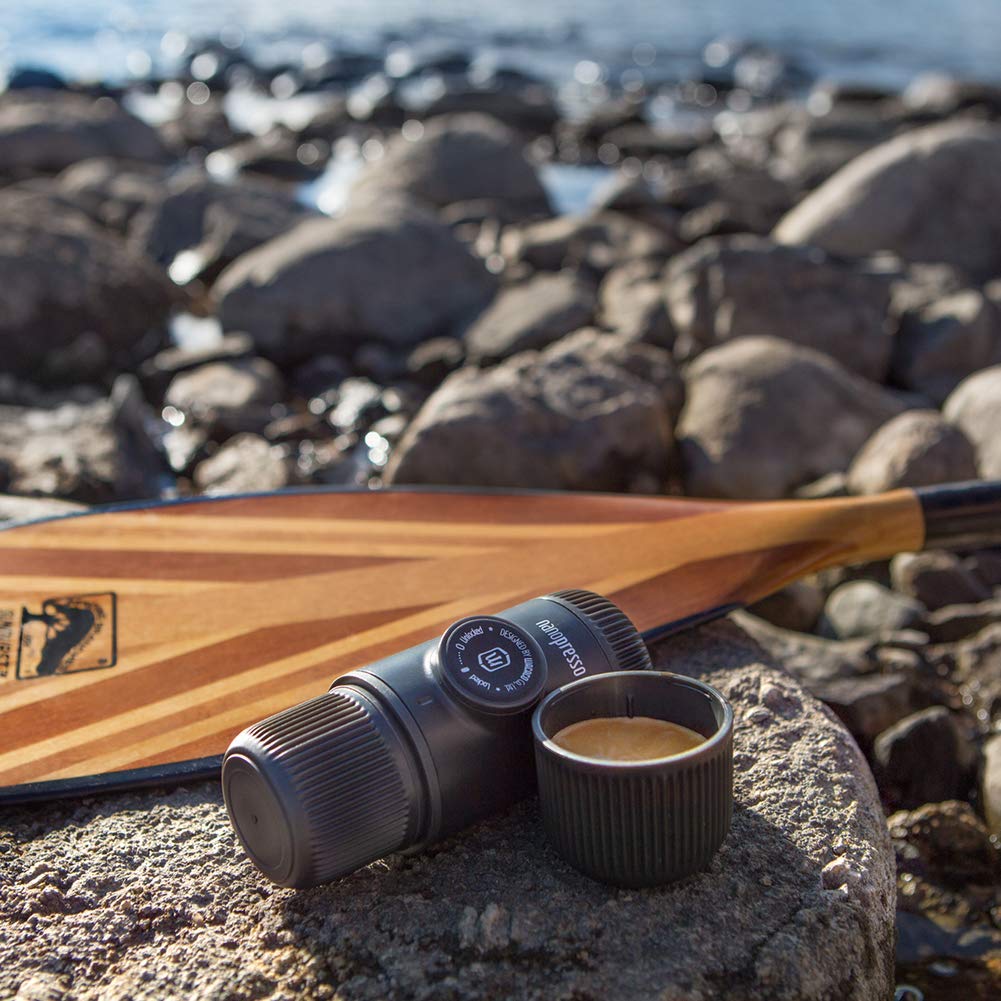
x=492, y=665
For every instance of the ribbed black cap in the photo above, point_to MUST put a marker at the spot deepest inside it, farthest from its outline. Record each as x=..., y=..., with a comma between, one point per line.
x=319, y=790
x=629, y=652
x=643, y=823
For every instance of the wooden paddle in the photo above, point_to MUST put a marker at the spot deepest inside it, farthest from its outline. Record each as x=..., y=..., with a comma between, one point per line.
x=136, y=641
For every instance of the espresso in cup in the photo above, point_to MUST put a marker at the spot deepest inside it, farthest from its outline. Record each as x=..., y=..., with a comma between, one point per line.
x=627, y=738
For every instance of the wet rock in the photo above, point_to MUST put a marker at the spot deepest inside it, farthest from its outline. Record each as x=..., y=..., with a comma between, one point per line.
x=740, y=392
x=927, y=195
x=458, y=158
x=74, y=301
x=109, y=194
x=946, y=843
x=559, y=419
x=225, y=397
x=14, y=510
x=797, y=906
x=197, y=227
x=919, y=759
x=978, y=671
x=633, y=304
x=720, y=290
x=975, y=408
x=45, y=131
x=245, y=464
x=958, y=622
x=322, y=286
x=939, y=344
x=94, y=453
x=870, y=704
x=865, y=608
x=530, y=315
x=596, y=241
x=916, y=449
x=990, y=782
x=797, y=606
x=431, y=361
x=936, y=579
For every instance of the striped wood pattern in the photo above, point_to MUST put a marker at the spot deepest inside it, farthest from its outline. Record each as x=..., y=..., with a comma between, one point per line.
x=228, y=610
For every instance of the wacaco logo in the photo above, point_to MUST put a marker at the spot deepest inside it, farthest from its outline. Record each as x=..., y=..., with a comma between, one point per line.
x=64, y=635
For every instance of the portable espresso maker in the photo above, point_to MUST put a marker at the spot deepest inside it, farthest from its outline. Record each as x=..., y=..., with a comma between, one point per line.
x=419, y=745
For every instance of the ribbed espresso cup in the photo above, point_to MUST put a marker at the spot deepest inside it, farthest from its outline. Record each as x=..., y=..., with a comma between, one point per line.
x=637, y=823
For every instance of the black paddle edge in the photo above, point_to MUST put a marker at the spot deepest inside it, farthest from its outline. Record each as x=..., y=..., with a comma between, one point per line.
x=961, y=515
x=176, y=773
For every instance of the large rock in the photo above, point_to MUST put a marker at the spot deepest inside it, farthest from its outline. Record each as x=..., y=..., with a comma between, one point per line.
x=150, y=895
x=940, y=343
x=918, y=448
x=975, y=408
x=74, y=300
x=390, y=273
x=93, y=452
x=458, y=158
x=45, y=131
x=598, y=241
x=197, y=227
x=110, y=193
x=633, y=303
x=764, y=416
x=722, y=289
x=937, y=578
x=865, y=608
x=228, y=396
x=565, y=418
x=244, y=464
x=530, y=316
x=929, y=195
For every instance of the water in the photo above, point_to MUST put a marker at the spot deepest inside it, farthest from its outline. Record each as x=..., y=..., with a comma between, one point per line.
x=852, y=40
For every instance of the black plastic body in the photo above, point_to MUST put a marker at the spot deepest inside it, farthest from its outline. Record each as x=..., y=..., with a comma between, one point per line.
x=637, y=823
x=471, y=763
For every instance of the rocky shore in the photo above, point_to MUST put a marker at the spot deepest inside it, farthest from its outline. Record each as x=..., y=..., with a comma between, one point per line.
x=793, y=296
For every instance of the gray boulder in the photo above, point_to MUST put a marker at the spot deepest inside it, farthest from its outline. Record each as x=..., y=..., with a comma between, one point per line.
x=94, y=453
x=936, y=579
x=920, y=759
x=975, y=408
x=530, y=315
x=110, y=193
x=870, y=704
x=797, y=905
x=390, y=273
x=564, y=418
x=228, y=396
x=245, y=464
x=928, y=195
x=797, y=606
x=458, y=158
x=990, y=783
x=722, y=289
x=598, y=241
x=632, y=303
x=45, y=131
x=196, y=227
x=938, y=345
x=916, y=449
x=865, y=608
x=75, y=302
x=15, y=510
x=764, y=416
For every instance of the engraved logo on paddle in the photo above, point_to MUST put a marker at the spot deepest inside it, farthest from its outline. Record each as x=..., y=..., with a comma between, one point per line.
x=64, y=635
